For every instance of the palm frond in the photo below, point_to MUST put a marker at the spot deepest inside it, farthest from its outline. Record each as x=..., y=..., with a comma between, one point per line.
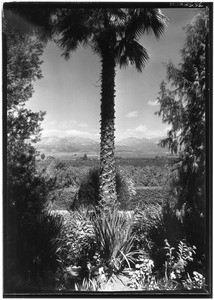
x=132, y=52
x=156, y=22
x=73, y=28
x=141, y=20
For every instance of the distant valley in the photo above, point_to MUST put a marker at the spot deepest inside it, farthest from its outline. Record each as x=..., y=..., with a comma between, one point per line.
x=77, y=146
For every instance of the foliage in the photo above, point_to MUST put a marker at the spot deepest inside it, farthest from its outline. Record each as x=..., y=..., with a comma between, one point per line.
x=148, y=198
x=29, y=231
x=143, y=221
x=152, y=226
x=28, y=19
x=182, y=105
x=76, y=246
x=167, y=227
x=175, y=268
x=195, y=282
x=176, y=276
x=149, y=175
x=96, y=249
x=66, y=177
x=141, y=275
x=88, y=285
x=113, y=231
x=94, y=245
x=88, y=193
x=63, y=181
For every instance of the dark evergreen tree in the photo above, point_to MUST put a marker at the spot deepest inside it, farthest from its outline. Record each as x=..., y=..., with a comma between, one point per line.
x=183, y=100
x=28, y=230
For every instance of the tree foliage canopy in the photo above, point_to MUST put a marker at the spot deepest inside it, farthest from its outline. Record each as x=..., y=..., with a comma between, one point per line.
x=183, y=101
x=117, y=30
x=28, y=232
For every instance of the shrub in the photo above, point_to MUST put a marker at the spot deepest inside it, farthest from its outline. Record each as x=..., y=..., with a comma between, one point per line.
x=143, y=222
x=76, y=248
x=94, y=245
x=32, y=256
x=175, y=276
x=30, y=230
x=89, y=190
x=96, y=248
x=167, y=226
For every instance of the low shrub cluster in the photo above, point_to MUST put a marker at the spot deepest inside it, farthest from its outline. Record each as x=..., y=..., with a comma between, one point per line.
x=97, y=249
x=76, y=248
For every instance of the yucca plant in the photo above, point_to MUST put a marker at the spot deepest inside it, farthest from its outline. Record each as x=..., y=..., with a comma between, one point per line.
x=115, y=241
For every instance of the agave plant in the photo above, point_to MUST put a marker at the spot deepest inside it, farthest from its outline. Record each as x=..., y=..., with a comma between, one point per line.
x=115, y=241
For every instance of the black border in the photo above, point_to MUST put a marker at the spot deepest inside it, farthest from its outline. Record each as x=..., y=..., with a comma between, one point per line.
x=209, y=159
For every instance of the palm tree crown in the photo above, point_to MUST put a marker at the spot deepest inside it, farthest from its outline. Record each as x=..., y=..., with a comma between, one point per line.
x=114, y=34
x=117, y=29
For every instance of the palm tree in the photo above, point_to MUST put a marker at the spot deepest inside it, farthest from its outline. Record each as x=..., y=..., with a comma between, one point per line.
x=114, y=34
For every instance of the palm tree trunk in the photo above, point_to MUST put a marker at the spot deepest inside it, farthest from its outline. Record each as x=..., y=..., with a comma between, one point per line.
x=107, y=160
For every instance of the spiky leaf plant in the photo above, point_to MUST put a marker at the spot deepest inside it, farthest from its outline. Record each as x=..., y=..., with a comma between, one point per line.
x=115, y=241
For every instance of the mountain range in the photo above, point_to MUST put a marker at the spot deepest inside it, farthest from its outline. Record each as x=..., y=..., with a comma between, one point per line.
x=127, y=147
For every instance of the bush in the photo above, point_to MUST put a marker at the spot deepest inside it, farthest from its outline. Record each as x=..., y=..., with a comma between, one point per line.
x=153, y=226
x=175, y=277
x=167, y=227
x=143, y=222
x=95, y=249
x=32, y=256
x=30, y=229
x=89, y=190
x=76, y=248
x=94, y=245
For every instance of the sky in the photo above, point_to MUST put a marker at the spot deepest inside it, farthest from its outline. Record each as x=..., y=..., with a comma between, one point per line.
x=69, y=91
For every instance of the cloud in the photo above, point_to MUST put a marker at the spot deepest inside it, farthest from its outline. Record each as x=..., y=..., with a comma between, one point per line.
x=70, y=124
x=152, y=103
x=67, y=133
x=52, y=123
x=83, y=125
x=142, y=131
x=132, y=114
x=141, y=128
x=84, y=134
x=52, y=132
